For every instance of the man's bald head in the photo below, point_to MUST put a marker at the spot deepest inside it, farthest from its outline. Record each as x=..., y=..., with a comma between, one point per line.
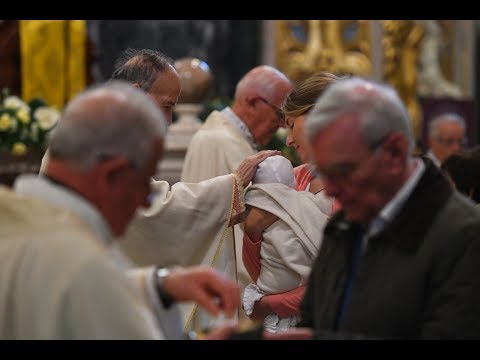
x=259, y=96
x=262, y=80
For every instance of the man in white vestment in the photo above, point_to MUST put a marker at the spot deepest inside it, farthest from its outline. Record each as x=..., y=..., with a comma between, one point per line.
x=58, y=279
x=230, y=135
x=185, y=223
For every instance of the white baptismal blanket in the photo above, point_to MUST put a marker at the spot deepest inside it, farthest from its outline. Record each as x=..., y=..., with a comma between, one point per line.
x=289, y=245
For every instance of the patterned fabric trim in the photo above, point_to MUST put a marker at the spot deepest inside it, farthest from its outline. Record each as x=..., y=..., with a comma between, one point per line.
x=219, y=246
x=238, y=196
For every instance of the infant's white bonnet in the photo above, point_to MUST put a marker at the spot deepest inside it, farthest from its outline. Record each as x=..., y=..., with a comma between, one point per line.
x=275, y=169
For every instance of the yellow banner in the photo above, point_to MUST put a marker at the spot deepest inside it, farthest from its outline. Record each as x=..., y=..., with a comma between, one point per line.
x=53, y=59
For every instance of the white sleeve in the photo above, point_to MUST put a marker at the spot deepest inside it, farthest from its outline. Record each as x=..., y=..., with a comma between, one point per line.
x=182, y=223
x=100, y=303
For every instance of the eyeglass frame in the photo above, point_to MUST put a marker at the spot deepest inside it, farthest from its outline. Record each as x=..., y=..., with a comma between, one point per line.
x=449, y=141
x=276, y=109
x=341, y=174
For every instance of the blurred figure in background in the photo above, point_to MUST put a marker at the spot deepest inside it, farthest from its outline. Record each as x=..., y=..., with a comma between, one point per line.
x=446, y=136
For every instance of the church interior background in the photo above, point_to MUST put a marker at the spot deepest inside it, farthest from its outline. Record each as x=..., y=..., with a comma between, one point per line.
x=432, y=63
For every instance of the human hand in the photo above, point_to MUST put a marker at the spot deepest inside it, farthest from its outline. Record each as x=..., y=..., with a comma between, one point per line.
x=261, y=309
x=204, y=286
x=257, y=221
x=246, y=170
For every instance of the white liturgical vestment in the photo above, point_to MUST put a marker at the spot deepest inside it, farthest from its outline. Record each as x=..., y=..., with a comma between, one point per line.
x=186, y=224
x=59, y=279
x=218, y=148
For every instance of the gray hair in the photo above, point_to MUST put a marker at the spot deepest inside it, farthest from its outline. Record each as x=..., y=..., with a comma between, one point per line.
x=262, y=80
x=444, y=117
x=377, y=106
x=141, y=67
x=108, y=120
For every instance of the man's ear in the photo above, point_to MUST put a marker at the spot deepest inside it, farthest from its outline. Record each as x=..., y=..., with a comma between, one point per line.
x=111, y=171
x=136, y=85
x=250, y=100
x=395, y=149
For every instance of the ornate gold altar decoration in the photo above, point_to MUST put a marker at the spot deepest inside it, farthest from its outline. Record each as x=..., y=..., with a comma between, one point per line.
x=414, y=63
x=401, y=48
x=53, y=59
x=338, y=46
x=417, y=55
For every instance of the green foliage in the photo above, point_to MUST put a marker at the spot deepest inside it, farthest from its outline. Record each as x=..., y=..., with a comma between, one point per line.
x=217, y=103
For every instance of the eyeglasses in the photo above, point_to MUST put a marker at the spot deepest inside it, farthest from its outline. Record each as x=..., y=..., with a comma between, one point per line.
x=276, y=109
x=451, y=141
x=345, y=170
x=341, y=171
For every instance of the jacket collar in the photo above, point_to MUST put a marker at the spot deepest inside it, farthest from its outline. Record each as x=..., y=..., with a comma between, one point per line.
x=407, y=231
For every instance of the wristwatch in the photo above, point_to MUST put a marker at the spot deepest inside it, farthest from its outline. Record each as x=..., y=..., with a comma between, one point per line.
x=160, y=274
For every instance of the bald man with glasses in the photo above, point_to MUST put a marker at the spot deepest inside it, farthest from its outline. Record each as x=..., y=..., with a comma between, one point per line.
x=230, y=135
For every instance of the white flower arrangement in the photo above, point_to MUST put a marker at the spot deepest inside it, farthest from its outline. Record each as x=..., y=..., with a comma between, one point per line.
x=25, y=126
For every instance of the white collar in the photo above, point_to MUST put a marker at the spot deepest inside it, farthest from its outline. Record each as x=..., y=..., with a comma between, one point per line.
x=432, y=157
x=235, y=120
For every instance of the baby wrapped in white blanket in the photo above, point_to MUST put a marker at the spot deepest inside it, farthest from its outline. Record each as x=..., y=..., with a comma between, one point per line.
x=291, y=243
